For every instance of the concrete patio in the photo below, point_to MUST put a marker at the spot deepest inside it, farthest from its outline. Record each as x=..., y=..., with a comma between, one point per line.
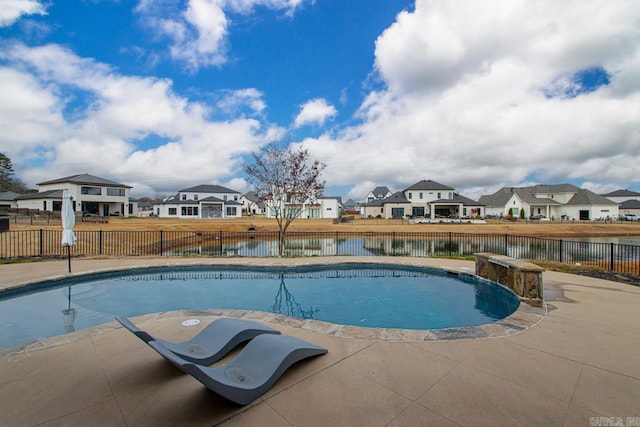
x=578, y=366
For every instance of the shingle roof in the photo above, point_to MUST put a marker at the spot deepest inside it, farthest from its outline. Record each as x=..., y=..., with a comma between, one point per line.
x=588, y=197
x=85, y=179
x=622, y=193
x=397, y=197
x=630, y=204
x=380, y=192
x=9, y=196
x=458, y=198
x=428, y=185
x=51, y=194
x=206, y=188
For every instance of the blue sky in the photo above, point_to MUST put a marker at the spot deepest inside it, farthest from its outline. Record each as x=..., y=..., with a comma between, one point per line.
x=167, y=94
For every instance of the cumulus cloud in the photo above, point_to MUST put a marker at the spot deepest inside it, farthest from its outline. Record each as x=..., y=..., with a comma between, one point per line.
x=483, y=94
x=199, y=32
x=315, y=111
x=119, y=113
x=12, y=10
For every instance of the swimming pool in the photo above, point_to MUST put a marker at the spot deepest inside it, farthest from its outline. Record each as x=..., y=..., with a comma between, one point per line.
x=368, y=295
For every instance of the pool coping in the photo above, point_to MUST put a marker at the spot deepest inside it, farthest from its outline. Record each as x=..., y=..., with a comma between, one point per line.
x=528, y=313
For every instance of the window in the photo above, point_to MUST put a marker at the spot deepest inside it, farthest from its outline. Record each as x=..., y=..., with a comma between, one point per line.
x=224, y=197
x=314, y=213
x=189, y=211
x=195, y=197
x=420, y=195
x=91, y=191
x=184, y=197
x=115, y=192
x=231, y=210
x=173, y=211
x=397, y=212
x=410, y=196
x=439, y=196
x=235, y=197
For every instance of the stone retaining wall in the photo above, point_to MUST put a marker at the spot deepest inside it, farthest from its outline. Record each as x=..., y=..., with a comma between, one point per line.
x=522, y=277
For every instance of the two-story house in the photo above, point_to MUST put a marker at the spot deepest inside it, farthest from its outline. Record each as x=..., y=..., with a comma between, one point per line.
x=424, y=199
x=201, y=201
x=90, y=195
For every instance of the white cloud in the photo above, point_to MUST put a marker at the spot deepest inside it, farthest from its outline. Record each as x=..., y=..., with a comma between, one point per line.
x=315, y=111
x=466, y=101
x=121, y=112
x=199, y=32
x=234, y=101
x=12, y=10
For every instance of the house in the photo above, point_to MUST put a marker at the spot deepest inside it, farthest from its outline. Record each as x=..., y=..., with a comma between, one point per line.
x=549, y=201
x=629, y=202
x=8, y=200
x=90, y=195
x=324, y=207
x=424, y=199
x=201, y=201
x=251, y=204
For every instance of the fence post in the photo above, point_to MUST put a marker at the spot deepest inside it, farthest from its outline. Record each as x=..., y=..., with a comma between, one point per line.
x=220, y=240
x=450, y=244
x=100, y=242
x=337, y=241
x=612, y=265
x=161, y=243
x=561, y=249
x=41, y=242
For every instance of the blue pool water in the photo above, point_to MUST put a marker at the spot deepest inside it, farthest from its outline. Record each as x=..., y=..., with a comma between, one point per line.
x=370, y=295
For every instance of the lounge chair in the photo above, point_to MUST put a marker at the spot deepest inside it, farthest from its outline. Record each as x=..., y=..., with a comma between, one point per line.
x=253, y=371
x=212, y=343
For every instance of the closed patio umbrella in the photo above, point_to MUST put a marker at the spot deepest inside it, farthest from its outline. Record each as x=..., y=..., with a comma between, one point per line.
x=68, y=221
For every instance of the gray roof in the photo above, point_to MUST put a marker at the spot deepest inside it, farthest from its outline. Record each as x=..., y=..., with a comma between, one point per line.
x=51, y=194
x=380, y=192
x=252, y=196
x=457, y=198
x=622, y=193
x=85, y=179
x=397, y=197
x=205, y=188
x=9, y=196
x=630, y=204
x=428, y=185
x=588, y=197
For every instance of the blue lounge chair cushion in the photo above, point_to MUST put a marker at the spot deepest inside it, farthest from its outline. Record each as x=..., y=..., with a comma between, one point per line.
x=253, y=371
x=212, y=343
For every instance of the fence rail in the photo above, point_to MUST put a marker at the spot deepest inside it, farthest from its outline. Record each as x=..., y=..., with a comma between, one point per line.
x=46, y=243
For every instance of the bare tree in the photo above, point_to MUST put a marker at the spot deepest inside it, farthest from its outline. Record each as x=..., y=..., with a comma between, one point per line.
x=286, y=181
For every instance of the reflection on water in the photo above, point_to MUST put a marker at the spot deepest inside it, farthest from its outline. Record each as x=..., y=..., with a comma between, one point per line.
x=577, y=250
x=290, y=307
x=369, y=295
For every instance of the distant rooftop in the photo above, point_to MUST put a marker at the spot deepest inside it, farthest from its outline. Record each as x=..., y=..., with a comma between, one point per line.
x=85, y=179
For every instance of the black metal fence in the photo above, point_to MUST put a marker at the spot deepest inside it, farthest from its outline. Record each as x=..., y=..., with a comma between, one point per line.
x=46, y=243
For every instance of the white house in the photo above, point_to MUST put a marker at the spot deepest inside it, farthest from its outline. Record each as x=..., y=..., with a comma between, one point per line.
x=424, y=199
x=323, y=207
x=549, y=201
x=90, y=195
x=251, y=204
x=201, y=201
